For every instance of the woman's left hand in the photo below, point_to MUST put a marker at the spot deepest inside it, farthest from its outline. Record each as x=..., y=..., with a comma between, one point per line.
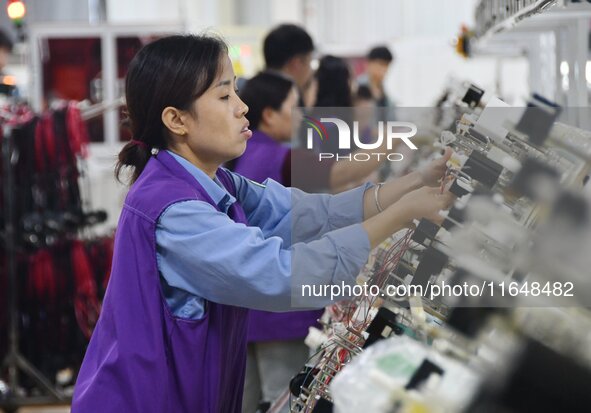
x=432, y=173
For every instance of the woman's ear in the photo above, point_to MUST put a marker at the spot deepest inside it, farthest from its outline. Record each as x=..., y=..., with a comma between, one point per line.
x=174, y=120
x=268, y=116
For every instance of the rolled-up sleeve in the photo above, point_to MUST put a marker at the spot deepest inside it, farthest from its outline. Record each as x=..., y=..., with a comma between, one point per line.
x=202, y=251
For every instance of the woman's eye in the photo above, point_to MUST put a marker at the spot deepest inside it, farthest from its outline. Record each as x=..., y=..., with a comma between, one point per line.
x=228, y=96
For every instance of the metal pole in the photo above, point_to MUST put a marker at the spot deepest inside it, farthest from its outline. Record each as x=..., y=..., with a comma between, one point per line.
x=97, y=11
x=109, y=77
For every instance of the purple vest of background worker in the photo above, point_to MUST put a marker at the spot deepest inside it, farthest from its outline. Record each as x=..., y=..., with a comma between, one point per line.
x=141, y=358
x=265, y=158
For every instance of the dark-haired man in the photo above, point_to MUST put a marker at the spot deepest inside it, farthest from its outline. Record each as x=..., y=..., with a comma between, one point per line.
x=379, y=60
x=288, y=49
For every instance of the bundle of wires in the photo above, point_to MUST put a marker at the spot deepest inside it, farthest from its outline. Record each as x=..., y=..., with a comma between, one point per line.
x=346, y=343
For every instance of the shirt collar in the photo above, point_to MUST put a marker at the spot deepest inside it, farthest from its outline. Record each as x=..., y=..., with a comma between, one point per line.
x=213, y=187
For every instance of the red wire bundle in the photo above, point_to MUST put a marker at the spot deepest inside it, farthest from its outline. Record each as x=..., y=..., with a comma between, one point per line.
x=86, y=303
x=391, y=260
x=77, y=132
x=41, y=280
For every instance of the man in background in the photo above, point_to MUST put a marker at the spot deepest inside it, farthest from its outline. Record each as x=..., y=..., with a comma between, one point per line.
x=379, y=60
x=288, y=50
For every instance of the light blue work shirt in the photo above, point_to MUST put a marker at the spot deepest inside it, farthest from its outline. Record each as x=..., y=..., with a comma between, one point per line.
x=204, y=255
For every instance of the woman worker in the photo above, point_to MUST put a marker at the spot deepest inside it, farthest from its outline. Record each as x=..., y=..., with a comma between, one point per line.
x=197, y=246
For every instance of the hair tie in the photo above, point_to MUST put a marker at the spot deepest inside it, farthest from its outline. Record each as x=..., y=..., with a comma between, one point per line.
x=139, y=143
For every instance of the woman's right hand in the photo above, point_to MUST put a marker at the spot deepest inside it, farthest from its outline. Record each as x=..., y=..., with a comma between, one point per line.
x=425, y=202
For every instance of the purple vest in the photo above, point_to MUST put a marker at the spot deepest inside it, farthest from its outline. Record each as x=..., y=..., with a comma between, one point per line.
x=264, y=158
x=141, y=358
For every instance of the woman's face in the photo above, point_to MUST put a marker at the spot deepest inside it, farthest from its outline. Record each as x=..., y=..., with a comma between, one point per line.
x=219, y=131
x=288, y=116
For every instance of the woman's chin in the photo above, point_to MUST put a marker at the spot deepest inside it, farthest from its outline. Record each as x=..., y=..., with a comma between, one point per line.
x=238, y=153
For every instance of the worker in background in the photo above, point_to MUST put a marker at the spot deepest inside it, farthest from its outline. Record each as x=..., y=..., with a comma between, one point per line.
x=288, y=50
x=276, y=349
x=333, y=78
x=379, y=60
x=334, y=82
x=333, y=90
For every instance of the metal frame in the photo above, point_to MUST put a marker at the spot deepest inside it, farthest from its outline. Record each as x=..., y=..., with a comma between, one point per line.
x=555, y=35
x=108, y=33
x=500, y=15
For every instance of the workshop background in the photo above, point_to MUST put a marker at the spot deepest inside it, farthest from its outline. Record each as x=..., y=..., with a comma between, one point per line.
x=465, y=71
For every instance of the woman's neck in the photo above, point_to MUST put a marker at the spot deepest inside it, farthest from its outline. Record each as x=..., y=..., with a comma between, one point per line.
x=209, y=168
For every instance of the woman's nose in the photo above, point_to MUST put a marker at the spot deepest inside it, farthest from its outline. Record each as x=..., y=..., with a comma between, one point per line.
x=242, y=109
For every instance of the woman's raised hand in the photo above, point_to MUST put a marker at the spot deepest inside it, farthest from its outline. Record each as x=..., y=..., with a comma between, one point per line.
x=425, y=202
x=432, y=172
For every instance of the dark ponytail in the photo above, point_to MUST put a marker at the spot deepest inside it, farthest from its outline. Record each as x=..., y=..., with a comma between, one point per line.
x=172, y=71
x=132, y=155
x=334, y=83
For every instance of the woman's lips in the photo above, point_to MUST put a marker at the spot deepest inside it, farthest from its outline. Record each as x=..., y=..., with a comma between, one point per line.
x=246, y=132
